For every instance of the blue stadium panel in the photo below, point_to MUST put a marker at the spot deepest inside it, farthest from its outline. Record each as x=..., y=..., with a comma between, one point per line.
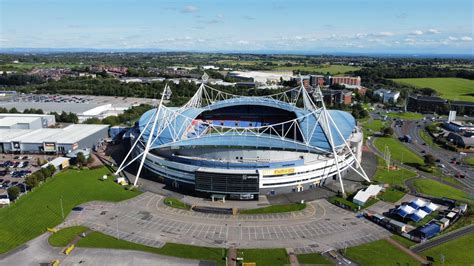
x=345, y=122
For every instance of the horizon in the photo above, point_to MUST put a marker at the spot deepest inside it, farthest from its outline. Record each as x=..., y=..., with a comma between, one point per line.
x=402, y=27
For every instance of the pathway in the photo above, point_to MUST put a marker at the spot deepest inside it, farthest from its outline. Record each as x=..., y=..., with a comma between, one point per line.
x=407, y=251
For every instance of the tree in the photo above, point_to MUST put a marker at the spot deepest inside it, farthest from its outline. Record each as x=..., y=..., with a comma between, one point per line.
x=13, y=192
x=387, y=131
x=31, y=180
x=429, y=160
x=13, y=111
x=80, y=159
x=52, y=170
x=41, y=175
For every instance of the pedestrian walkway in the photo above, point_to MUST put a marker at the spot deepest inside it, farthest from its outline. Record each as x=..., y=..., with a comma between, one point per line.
x=232, y=256
x=292, y=257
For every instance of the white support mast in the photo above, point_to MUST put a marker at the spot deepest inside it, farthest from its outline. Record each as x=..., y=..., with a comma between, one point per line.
x=148, y=143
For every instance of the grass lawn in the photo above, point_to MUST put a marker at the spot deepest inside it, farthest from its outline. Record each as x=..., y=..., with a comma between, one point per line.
x=456, y=252
x=332, y=69
x=398, y=151
x=434, y=188
x=313, y=258
x=176, y=203
x=40, y=209
x=272, y=257
x=469, y=161
x=391, y=195
x=406, y=116
x=379, y=253
x=404, y=241
x=99, y=240
x=64, y=236
x=393, y=177
x=448, y=88
x=426, y=138
x=276, y=209
x=336, y=199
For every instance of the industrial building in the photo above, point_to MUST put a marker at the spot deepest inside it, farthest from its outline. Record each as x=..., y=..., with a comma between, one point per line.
x=26, y=134
x=239, y=146
x=26, y=121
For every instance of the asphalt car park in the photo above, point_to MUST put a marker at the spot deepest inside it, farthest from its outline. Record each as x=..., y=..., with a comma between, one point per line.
x=14, y=168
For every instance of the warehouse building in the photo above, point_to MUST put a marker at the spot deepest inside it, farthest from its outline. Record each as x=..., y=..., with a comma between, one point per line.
x=26, y=121
x=52, y=140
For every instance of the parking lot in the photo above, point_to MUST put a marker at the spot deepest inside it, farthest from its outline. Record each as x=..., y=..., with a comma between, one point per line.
x=146, y=220
x=14, y=168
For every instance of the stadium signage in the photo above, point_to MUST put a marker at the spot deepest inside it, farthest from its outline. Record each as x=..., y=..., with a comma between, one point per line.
x=280, y=171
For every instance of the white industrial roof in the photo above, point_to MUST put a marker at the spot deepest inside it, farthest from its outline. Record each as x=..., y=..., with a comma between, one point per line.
x=70, y=134
x=407, y=209
x=56, y=162
x=10, y=121
x=421, y=213
x=363, y=195
x=432, y=206
x=7, y=135
x=419, y=202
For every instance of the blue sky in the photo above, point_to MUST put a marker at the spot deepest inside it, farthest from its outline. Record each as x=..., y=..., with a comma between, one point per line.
x=416, y=26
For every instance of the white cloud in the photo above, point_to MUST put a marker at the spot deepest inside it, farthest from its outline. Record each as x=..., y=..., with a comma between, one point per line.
x=433, y=31
x=220, y=16
x=466, y=39
x=243, y=42
x=417, y=32
x=384, y=34
x=451, y=38
x=190, y=9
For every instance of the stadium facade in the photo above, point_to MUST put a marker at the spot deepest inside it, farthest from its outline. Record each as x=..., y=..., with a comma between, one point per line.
x=241, y=146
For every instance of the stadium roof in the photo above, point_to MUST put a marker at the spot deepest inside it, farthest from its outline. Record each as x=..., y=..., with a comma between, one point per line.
x=306, y=121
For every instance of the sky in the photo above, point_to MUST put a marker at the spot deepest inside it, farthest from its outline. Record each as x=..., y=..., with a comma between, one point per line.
x=375, y=26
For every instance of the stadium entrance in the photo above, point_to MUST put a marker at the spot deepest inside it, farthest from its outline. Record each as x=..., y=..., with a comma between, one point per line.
x=241, y=185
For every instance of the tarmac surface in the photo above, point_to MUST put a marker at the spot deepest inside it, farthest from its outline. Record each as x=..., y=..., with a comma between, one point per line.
x=38, y=251
x=146, y=220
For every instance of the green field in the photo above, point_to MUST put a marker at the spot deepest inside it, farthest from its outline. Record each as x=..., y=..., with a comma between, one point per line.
x=313, y=259
x=403, y=241
x=448, y=88
x=33, y=213
x=456, y=252
x=332, y=69
x=29, y=66
x=99, y=240
x=64, y=236
x=176, y=203
x=379, y=252
x=272, y=257
x=398, y=151
x=391, y=195
x=276, y=209
x=426, y=138
x=406, y=116
x=393, y=177
x=436, y=189
x=469, y=161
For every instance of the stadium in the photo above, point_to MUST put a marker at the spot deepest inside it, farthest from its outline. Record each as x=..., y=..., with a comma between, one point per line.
x=242, y=146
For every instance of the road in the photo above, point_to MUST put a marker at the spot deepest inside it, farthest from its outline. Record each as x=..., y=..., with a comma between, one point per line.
x=411, y=128
x=443, y=239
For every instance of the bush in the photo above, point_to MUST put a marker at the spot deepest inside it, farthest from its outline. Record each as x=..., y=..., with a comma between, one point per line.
x=13, y=192
x=32, y=180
